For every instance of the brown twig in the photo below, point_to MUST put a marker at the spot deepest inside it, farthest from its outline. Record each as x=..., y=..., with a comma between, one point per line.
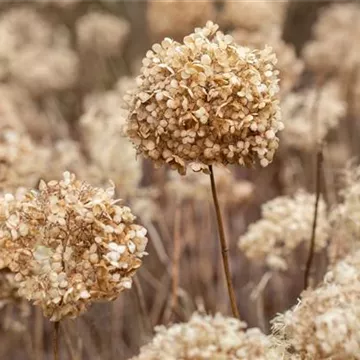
x=319, y=160
x=142, y=305
x=175, y=265
x=38, y=334
x=56, y=340
x=224, y=246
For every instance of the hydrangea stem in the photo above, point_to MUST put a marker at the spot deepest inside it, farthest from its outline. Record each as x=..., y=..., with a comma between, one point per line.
x=56, y=340
x=224, y=246
x=319, y=160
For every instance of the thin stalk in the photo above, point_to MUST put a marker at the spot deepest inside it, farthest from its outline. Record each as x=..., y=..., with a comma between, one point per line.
x=319, y=161
x=224, y=246
x=56, y=340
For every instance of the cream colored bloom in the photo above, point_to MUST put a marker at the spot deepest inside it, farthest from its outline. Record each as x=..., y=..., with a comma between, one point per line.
x=310, y=115
x=289, y=65
x=60, y=241
x=286, y=222
x=101, y=33
x=110, y=151
x=325, y=324
x=206, y=101
x=207, y=337
x=175, y=19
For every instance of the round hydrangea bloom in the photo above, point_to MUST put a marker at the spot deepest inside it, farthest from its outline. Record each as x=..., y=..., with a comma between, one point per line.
x=324, y=325
x=206, y=101
x=69, y=244
x=208, y=337
x=93, y=30
x=286, y=222
x=289, y=65
x=102, y=130
x=162, y=15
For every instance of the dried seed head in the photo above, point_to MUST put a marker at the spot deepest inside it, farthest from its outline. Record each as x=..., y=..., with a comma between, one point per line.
x=70, y=245
x=110, y=151
x=162, y=15
x=93, y=33
x=206, y=101
x=208, y=337
x=304, y=127
x=253, y=15
x=286, y=222
x=289, y=65
x=325, y=324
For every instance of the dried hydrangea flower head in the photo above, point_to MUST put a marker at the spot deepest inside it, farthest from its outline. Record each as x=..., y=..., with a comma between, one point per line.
x=286, y=222
x=289, y=65
x=331, y=48
x=206, y=337
x=346, y=271
x=325, y=324
x=253, y=15
x=21, y=160
x=93, y=31
x=20, y=112
x=51, y=69
x=196, y=186
x=306, y=127
x=70, y=244
x=206, y=101
x=162, y=15
x=102, y=130
x=34, y=53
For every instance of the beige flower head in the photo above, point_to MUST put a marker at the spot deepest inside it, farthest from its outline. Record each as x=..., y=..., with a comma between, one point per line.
x=206, y=101
x=207, y=337
x=70, y=244
x=286, y=223
x=325, y=323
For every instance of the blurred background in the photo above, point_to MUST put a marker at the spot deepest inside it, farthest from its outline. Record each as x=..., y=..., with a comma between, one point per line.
x=65, y=67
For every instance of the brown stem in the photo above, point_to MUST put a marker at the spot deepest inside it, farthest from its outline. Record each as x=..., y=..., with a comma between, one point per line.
x=319, y=160
x=56, y=340
x=224, y=246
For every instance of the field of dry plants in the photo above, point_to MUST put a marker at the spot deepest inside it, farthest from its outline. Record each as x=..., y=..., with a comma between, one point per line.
x=179, y=180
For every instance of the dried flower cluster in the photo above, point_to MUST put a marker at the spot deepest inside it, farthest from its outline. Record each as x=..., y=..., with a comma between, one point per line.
x=310, y=114
x=325, y=324
x=289, y=65
x=110, y=151
x=253, y=15
x=34, y=54
x=69, y=244
x=21, y=161
x=162, y=15
x=197, y=186
x=207, y=337
x=331, y=48
x=93, y=33
x=286, y=222
x=206, y=101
